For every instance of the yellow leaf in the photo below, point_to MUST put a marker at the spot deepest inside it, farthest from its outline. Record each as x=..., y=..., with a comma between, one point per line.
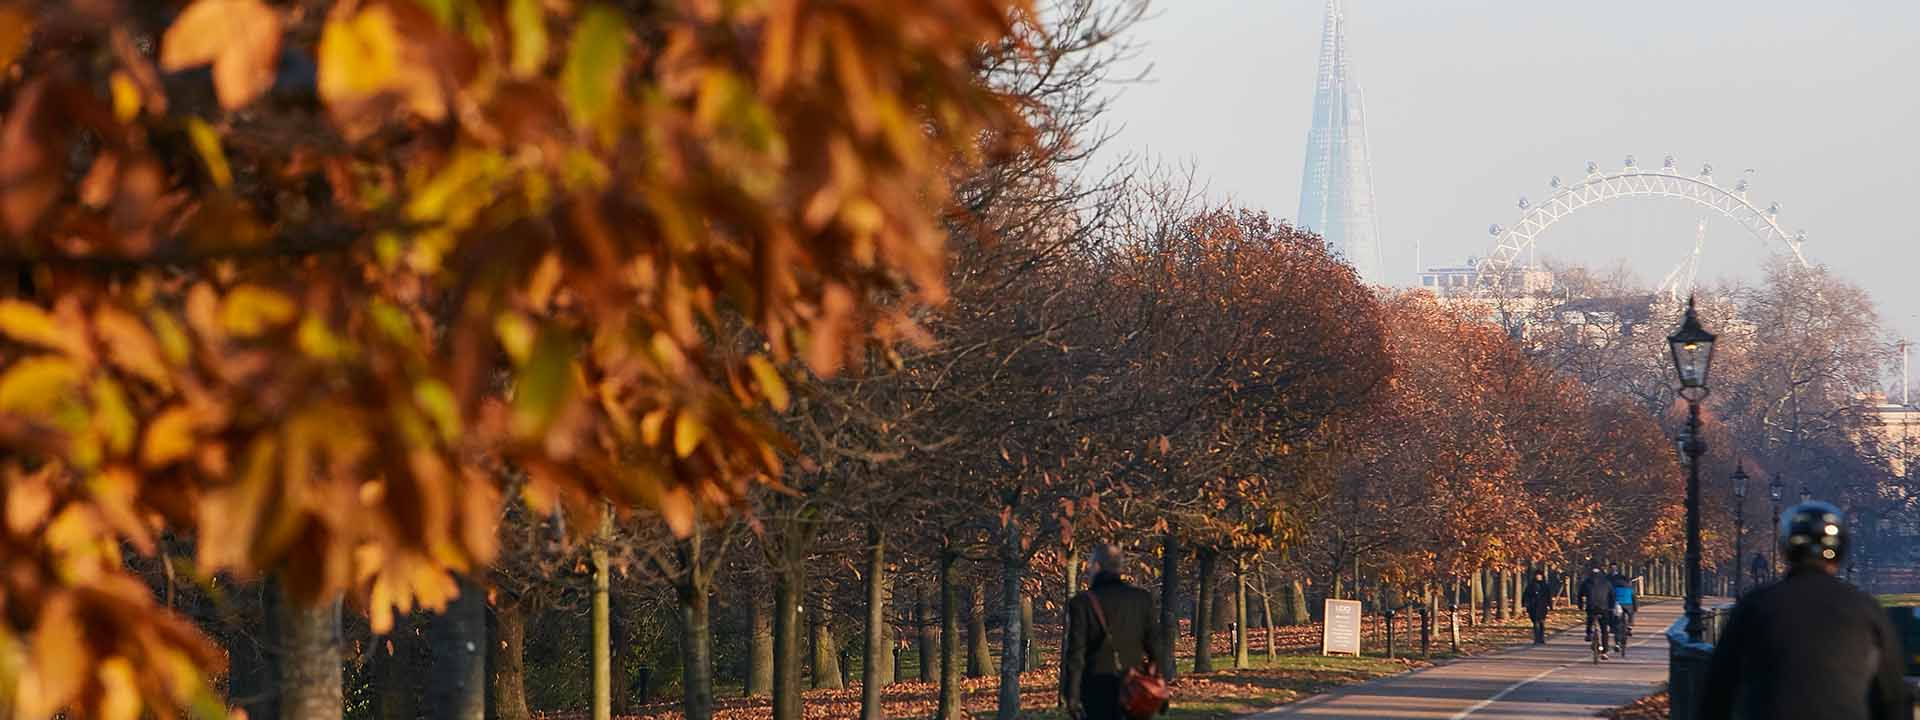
x=596, y=62
x=545, y=385
x=688, y=431
x=771, y=384
x=240, y=38
x=16, y=27
x=111, y=417
x=60, y=659
x=516, y=335
x=169, y=438
x=436, y=399
x=129, y=346
x=39, y=385
x=363, y=56
x=528, y=23
x=651, y=426
x=250, y=310
x=207, y=143
x=27, y=323
x=126, y=96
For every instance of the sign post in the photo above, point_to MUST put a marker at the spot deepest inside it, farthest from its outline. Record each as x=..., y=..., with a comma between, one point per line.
x=1341, y=632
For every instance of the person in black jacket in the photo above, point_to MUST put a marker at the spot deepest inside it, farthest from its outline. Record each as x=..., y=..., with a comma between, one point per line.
x=1538, y=599
x=1111, y=627
x=1809, y=645
x=1596, y=596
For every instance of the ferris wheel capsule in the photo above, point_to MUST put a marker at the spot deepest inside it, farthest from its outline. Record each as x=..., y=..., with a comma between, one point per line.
x=1494, y=229
x=1741, y=186
x=1629, y=161
x=1667, y=164
x=1593, y=167
x=1773, y=209
x=1523, y=202
x=1706, y=169
x=1554, y=183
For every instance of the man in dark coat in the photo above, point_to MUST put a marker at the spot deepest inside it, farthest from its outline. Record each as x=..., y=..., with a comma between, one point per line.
x=1596, y=596
x=1111, y=628
x=1810, y=645
x=1538, y=599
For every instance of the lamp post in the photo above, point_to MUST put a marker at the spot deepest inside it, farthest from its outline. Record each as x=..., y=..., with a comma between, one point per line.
x=1774, y=490
x=1692, y=349
x=1806, y=494
x=1739, y=526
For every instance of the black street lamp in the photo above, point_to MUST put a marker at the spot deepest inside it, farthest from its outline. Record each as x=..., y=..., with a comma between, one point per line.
x=1806, y=495
x=1692, y=348
x=1739, y=526
x=1774, y=490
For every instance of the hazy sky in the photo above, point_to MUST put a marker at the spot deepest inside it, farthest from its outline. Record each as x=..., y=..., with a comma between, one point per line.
x=1473, y=103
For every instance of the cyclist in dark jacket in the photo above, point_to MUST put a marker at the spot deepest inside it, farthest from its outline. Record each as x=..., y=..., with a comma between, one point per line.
x=1094, y=660
x=1596, y=596
x=1810, y=645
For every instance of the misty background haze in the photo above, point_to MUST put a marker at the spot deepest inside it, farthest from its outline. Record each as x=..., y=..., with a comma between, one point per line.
x=1473, y=103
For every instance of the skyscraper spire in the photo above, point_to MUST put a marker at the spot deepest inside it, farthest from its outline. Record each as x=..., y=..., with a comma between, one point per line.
x=1336, y=188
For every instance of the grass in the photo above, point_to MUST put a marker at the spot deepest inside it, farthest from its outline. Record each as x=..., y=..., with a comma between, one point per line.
x=1897, y=600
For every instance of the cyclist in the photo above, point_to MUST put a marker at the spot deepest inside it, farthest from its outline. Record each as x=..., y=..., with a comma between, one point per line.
x=1596, y=596
x=1623, y=597
x=1809, y=645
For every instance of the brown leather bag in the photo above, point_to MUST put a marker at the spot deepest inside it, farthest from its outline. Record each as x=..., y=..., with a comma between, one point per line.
x=1143, y=692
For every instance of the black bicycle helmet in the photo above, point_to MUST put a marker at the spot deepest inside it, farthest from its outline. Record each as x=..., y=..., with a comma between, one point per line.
x=1813, y=530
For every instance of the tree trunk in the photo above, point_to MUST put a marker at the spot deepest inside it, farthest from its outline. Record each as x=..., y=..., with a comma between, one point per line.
x=1029, y=652
x=949, y=707
x=1012, y=640
x=1476, y=599
x=1242, y=655
x=1169, y=602
x=1297, y=603
x=877, y=663
x=602, y=635
x=1513, y=592
x=696, y=638
x=760, y=658
x=1266, y=617
x=979, y=651
x=457, y=686
x=826, y=652
x=310, y=687
x=1073, y=572
x=923, y=621
x=506, y=659
x=789, y=585
x=1499, y=594
x=1203, y=613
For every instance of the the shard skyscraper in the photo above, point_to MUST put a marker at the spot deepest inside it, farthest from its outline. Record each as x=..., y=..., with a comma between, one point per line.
x=1336, y=189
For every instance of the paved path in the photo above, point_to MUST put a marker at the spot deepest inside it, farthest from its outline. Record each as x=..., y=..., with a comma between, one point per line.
x=1556, y=680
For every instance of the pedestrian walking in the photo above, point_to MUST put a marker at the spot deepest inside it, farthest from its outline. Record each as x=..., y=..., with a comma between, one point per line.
x=1538, y=599
x=1762, y=570
x=1810, y=645
x=1111, y=628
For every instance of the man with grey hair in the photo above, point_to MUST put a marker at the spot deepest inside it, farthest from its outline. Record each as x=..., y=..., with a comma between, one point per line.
x=1111, y=628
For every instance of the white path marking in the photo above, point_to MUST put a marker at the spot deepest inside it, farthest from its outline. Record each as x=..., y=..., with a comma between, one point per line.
x=1482, y=705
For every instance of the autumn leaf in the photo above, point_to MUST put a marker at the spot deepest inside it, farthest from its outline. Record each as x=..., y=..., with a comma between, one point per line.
x=16, y=26
x=771, y=385
x=169, y=438
x=27, y=323
x=240, y=38
x=590, y=82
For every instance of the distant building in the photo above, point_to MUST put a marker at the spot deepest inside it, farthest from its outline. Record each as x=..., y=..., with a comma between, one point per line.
x=1466, y=278
x=1336, y=186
